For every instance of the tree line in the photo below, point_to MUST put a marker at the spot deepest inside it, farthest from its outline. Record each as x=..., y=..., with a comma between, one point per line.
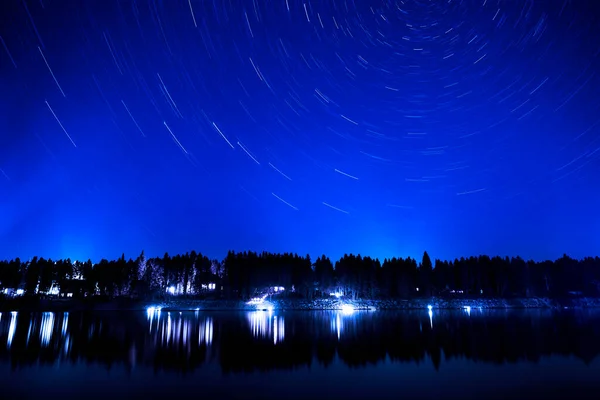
x=243, y=275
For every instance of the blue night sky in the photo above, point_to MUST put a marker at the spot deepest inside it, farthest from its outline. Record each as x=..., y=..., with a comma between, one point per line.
x=375, y=127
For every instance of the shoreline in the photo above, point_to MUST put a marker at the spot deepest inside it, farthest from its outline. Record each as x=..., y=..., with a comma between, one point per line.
x=435, y=303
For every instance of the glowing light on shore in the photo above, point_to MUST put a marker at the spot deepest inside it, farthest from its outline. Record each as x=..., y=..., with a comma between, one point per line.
x=468, y=310
x=151, y=310
x=257, y=300
x=347, y=309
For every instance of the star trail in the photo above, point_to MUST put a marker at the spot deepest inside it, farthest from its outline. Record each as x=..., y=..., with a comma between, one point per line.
x=383, y=128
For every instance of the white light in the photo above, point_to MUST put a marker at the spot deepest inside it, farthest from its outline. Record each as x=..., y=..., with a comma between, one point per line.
x=171, y=289
x=347, y=309
x=257, y=300
x=467, y=309
x=270, y=309
x=417, y=289
x=429, y=308
x=20, y=292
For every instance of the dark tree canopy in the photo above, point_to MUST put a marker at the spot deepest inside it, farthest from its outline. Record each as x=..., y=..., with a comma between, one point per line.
x=243, y=275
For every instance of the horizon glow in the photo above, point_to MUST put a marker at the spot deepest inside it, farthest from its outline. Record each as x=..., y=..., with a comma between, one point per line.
x=448, y=127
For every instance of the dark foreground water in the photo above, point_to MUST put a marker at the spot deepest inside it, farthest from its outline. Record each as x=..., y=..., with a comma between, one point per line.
x=301, y=355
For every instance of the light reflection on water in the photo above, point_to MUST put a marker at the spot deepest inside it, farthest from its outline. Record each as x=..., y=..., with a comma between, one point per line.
x=47, y=328
x=252, y=338
x=172, y=329
x=178, y=328
x=175, y=328
x=402, y=354
x=43, y=327
x=12, y=328
x=263, y=324
x=344, y=322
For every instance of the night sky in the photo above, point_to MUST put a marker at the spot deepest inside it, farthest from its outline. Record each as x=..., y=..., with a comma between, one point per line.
x=375, y=127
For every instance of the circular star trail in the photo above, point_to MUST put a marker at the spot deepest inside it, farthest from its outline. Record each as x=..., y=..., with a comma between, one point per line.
x=375, y=127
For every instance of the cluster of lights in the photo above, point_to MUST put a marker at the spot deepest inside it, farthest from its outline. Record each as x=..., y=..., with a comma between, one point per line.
x=257, y=300
x=18, y=292
x=152, y=310
x=172, y=290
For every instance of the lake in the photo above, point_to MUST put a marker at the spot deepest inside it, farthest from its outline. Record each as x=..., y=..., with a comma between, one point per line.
x=464, y=354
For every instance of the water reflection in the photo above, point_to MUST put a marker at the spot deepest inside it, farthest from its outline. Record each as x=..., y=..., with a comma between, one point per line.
x=264, y=340
x=263, y=324
x=12, y=328
x=174, y=329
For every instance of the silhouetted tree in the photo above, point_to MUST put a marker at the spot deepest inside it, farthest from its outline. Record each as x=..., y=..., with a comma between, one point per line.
x=324, y=275
x=246, y=274
x=426, y=275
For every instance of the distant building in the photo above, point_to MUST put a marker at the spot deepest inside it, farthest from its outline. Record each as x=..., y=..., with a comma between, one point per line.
x=13, y=292
x=73, y=288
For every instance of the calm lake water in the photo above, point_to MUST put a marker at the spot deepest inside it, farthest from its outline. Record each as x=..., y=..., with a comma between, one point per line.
x=301, y=355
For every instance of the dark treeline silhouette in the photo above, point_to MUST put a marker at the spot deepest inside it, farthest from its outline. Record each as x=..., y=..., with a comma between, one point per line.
x=243, y=275
x=244, y=342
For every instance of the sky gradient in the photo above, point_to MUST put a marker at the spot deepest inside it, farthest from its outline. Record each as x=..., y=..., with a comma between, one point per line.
x=375, y=127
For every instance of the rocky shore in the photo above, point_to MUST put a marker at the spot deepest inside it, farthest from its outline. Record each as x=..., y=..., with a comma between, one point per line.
x=307, y=305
